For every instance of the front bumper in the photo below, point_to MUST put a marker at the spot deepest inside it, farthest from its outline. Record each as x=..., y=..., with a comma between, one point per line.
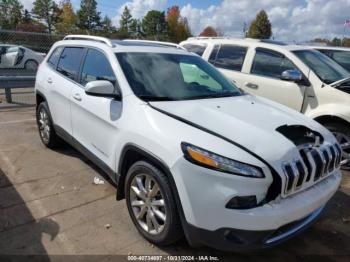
x=228, y=239
x=204, y=193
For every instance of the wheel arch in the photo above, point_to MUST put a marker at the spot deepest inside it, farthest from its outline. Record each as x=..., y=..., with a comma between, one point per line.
x=39, y=98
x=132, y=153
x=331, y=118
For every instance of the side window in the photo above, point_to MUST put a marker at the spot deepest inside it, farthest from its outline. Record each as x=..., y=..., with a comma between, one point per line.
x=342, y=58
x=213, y=55
x=69, y=62
x=231, y=57
x=198, y=49
x=55, y=56
x=271, y=64
x=96, y=67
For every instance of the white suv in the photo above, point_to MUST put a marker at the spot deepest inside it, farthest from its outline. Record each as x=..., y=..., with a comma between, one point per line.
x=189, y=152
x=296, y=76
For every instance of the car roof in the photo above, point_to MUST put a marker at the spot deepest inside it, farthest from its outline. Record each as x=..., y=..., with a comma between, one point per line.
x=127, y=45
x=332, y=48
x=264, y=43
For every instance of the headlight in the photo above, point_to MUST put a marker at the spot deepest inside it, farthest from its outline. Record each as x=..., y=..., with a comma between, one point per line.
x=210, y=160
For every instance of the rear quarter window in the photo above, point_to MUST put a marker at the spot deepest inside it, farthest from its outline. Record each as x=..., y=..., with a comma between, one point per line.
x=55, y=56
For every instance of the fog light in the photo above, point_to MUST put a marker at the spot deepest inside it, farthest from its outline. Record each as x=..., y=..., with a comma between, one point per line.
x=242, y=202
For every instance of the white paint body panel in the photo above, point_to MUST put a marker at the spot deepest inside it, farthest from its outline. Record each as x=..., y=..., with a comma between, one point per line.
x=316, y=100
x=104, y=126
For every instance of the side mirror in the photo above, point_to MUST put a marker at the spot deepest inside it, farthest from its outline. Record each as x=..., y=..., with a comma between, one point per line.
x=102, y=88
x=292, y=75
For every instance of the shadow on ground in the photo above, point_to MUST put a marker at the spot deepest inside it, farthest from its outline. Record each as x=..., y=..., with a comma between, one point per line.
x=13, y=241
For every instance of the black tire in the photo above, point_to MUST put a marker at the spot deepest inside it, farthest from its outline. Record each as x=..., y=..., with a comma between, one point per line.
x=26, y=65
x=172, y=230
x=340, y=128
x=52, y=141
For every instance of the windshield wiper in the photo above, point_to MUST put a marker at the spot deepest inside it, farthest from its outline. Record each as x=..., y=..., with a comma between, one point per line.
x=156, y=98
x=340, y=82
x=213, y=96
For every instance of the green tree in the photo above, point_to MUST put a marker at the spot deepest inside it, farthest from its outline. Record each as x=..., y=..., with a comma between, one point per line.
x=125, y=20
x=154, y=25
x=135, y=29
x=260, y=28
x=336, y=41
x=10, y=13
x=178, y=28
x=48, y=11
x=27, y=18
x=67, y=19
x=89, y=18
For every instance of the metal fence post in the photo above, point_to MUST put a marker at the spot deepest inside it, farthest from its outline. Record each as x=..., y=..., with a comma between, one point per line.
x=8, y=95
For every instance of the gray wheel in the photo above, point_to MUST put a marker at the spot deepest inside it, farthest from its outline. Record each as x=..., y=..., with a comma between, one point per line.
x=44, y=125
x=342, y=134
x=46, y=131
x=344, y=142
x=31, y=65
x=151, y=204
x=147, y=202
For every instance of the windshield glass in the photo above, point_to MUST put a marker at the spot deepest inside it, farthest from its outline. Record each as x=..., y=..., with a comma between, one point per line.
x=324, y=67
x=166, y=77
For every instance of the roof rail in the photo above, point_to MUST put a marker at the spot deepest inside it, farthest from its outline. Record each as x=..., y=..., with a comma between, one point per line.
x=208, y=37
x=156, y=42
x=90, y=38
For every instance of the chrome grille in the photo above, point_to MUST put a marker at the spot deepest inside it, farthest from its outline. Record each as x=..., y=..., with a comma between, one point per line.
x=314, y=163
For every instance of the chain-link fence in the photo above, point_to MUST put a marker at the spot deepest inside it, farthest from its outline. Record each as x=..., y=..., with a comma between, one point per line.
x=20, y=55
x=39, y=42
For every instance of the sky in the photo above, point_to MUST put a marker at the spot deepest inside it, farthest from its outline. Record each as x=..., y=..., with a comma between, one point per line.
x=292, y=20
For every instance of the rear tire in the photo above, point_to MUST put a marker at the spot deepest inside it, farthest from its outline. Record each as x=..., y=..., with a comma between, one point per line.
x=151, y=204
x=45, y=126
x=342, y=134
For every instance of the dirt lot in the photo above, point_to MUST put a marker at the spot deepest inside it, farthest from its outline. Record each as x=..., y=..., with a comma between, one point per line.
x=49, y=206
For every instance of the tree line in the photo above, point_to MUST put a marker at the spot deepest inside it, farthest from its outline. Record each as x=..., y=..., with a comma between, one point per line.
x=47, y=16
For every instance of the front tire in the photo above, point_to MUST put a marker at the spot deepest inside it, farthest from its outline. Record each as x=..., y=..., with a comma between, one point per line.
x=342, y=134
x=46, y=131
x=151, y=204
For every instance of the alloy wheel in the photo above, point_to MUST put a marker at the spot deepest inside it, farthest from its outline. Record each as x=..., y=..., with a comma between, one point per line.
x=44, y=126
x=147, y=203
x=344, y=142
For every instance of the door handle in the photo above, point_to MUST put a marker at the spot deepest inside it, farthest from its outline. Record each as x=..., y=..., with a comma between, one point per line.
x=77, y=97
x=251, y=85
x=49, y=80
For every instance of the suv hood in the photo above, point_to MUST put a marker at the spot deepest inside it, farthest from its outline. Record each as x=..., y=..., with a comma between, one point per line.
x=247, y=120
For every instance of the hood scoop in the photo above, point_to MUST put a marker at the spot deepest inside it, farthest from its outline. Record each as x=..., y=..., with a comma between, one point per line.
x=301, y=135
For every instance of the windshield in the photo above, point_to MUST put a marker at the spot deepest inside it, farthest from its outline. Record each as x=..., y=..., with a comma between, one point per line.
x=166, y=77
x=324, y=67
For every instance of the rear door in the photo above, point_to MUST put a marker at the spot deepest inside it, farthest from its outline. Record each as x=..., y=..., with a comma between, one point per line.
x=95, y=119
x=264, y=79
x=229, y=60
x=60, y=80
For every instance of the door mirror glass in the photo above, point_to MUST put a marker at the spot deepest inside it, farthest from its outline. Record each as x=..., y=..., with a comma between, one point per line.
x=101, y=88
x=292, y=75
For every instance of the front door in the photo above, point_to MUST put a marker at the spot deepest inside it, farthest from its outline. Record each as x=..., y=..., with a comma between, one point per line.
x=95, y=119
x=265, y=79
